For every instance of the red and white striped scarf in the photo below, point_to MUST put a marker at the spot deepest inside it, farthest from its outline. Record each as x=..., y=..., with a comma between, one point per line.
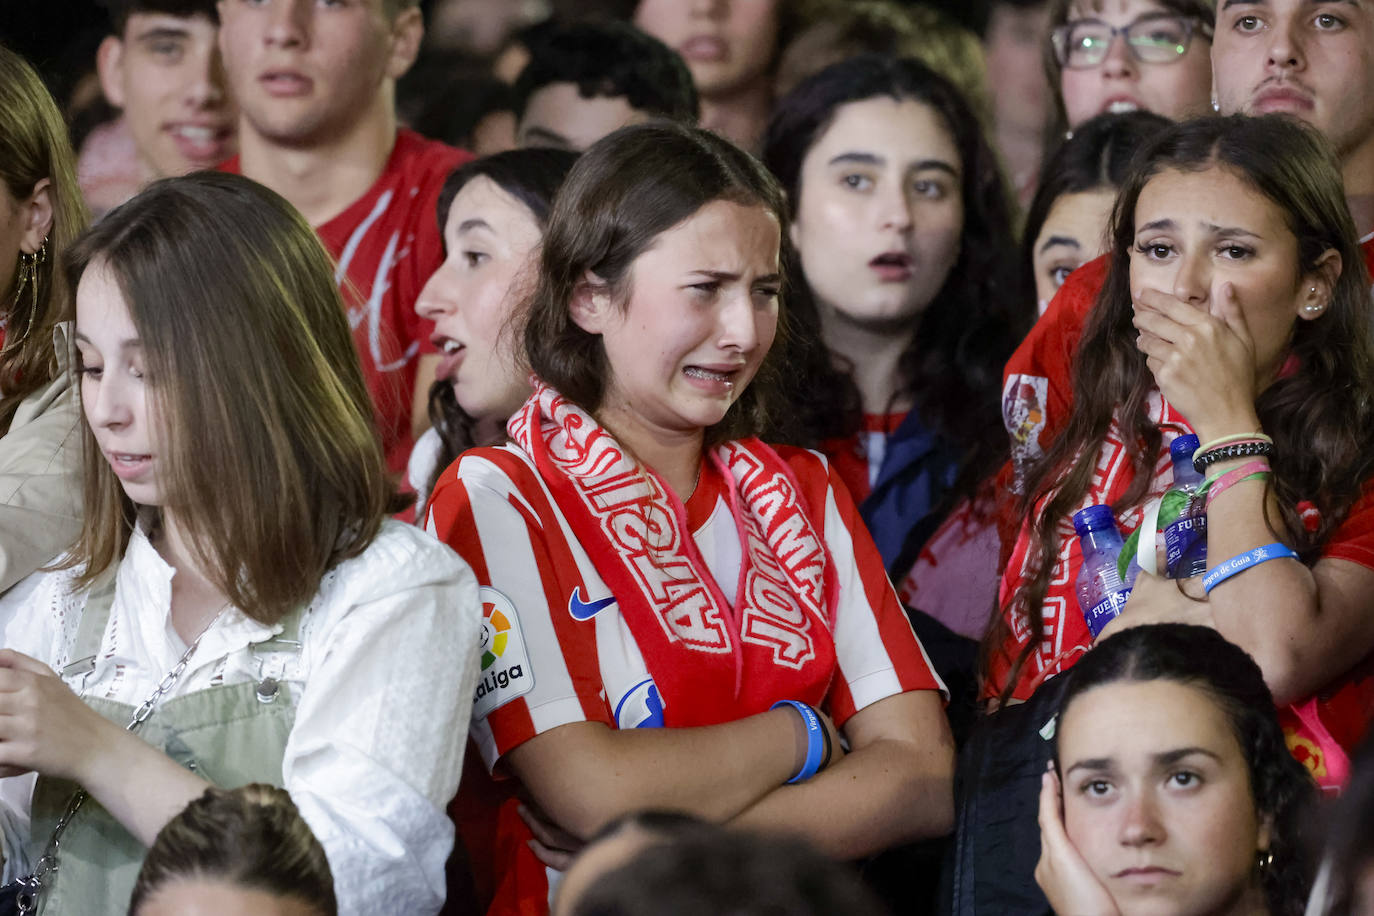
x=711, y=661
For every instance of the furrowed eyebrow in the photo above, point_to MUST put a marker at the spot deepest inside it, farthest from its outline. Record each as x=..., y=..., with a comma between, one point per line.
x=1064, y=240
x=1170, y=757
x=1095, y=764
x=1229, y=230
x=468, y=225
x=725, y=276
x=1157, y=224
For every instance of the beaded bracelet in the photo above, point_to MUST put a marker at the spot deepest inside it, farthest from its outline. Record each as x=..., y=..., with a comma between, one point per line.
x=817, y=741
x=1215, y=486
x=1234, y=437
x=1238, y=564
x=1245, y=449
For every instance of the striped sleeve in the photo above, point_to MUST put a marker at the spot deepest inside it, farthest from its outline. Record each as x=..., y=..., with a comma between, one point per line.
x=539, y=667
x=877, y=653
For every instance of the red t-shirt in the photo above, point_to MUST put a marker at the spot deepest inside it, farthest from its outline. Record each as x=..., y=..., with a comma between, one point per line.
x=387, y=244
x=1037, y=400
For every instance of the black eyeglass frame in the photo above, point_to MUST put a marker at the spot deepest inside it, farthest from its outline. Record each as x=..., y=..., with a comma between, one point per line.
x=1059, y=38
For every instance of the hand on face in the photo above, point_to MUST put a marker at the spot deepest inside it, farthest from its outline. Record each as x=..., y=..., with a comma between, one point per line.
x=1217, y=288
x=1203, y=363
x=1062, y=873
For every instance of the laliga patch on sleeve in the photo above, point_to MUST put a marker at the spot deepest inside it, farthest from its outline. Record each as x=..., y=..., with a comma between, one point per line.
x=505, y=673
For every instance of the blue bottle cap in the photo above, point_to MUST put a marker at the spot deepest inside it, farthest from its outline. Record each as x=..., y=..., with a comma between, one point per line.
x=1183, y=447
x=1093, y=518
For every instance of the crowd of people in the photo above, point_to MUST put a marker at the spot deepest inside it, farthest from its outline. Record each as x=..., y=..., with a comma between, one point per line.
x=636, y=457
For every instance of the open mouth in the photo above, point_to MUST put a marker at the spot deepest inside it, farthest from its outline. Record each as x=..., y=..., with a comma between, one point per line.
x=713, y=379
x=892, y=265
x=451, y=356
x=128, y=465
x=199, y=142
x=1121, y=106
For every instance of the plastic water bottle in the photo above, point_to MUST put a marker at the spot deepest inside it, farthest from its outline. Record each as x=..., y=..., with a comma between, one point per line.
x=1101, y=593
x=1185, y=536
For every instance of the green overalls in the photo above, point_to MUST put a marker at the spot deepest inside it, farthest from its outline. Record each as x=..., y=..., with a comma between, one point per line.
x=230, y=736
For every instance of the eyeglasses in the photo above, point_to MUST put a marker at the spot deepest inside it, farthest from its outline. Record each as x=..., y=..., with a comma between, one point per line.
x=1155, y=39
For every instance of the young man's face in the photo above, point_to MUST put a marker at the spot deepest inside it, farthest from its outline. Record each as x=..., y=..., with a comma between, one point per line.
x=165, y=73
x=304, y=71
x=1312, y=60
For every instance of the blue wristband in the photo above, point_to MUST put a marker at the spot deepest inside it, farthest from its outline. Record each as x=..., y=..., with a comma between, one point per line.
x=816, y=740
x=1223, y=571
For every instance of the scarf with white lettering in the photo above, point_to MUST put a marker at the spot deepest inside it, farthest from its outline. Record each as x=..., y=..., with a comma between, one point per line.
x=711, y=661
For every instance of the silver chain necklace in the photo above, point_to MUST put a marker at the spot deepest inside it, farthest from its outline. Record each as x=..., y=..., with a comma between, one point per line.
x=32, y=883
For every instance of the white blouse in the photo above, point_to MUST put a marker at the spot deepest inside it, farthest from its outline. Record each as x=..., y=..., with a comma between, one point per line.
x=383, y=686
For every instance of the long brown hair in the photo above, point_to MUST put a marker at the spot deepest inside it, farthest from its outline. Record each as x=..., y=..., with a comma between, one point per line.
x=1319, y=417
x=952, y=369
x=34, y=146
x=271, y=459
x=624, y=192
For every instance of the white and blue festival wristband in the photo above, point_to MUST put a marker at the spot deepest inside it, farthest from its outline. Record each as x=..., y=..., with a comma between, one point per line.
x=816, y=740
x=1238, y=564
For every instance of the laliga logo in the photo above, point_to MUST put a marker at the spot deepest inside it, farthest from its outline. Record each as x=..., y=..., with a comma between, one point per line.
x=503, y=654
x=495, y=634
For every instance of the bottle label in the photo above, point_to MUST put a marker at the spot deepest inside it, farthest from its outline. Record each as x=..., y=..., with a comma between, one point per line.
x=1185, y=547
x=1100, y=614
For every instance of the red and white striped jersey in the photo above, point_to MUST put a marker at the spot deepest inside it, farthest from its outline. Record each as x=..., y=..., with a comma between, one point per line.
x=556, y=649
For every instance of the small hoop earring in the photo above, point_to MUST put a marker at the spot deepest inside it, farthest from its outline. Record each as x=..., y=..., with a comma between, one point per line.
x=1068, y=135
x=1266, y=860
x=1314, y=308
x=1216, y=106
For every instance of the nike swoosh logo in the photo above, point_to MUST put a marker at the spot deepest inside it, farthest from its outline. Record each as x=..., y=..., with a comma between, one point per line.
x=586, y=610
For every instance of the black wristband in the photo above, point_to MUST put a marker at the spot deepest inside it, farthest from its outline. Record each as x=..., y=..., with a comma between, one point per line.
x=1227, y=452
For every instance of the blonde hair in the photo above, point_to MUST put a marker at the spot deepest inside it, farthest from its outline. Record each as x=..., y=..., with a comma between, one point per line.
x=271, y=457
x=34, y=146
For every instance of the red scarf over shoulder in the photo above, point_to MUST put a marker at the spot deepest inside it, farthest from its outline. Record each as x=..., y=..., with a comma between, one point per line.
x=712, y=660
